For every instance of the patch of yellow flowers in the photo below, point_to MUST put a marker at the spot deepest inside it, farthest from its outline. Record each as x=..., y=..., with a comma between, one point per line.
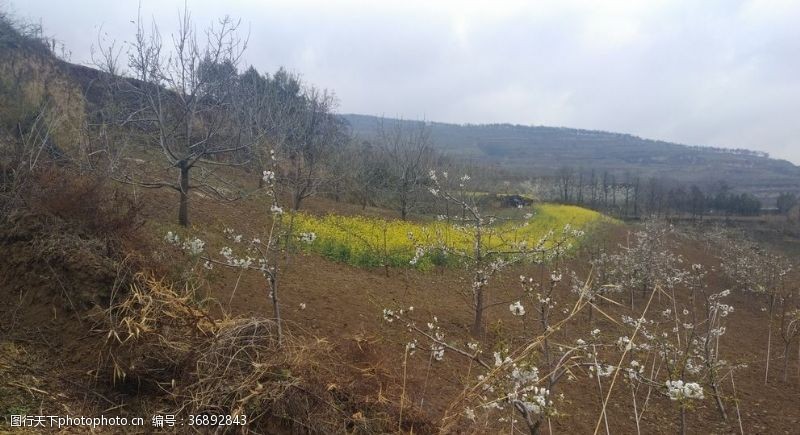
x=374, y=242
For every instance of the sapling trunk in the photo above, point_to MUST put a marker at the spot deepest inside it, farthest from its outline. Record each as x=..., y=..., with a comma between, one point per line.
x=786, y=360
x=276, y=308
x=289, y=233
x=683, y=420
x=736, y=401
x=403, y=393
x=718, y=399
x=635, y=410
x=385, y=250
x=769, y=337
x=545, y=341
x=183, y=209
x=477, y=325
x=600, y=389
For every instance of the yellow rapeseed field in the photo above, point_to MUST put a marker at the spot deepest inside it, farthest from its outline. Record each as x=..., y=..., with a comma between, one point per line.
x=372, y=242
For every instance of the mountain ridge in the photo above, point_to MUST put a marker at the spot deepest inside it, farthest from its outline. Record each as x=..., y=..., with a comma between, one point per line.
x=543, y=150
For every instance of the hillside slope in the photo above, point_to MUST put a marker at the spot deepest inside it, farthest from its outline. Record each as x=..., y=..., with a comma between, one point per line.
x=540, y=151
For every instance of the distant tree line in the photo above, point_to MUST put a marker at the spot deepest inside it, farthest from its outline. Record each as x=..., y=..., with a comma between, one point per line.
x=737, y=151
x=632, y=196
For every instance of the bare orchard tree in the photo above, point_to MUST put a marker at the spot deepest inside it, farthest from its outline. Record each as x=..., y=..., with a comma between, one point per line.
x=280, y=113
x=408, y=154
x=251, y=105
x=367, y=173
x=269, y=108
x=316, y=134
x=179, y=97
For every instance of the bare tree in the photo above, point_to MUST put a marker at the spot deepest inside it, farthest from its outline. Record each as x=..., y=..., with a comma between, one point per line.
x=316, y=134
x=280, y=113
x=408, y=155
x=367, y=172
x=180, y=98
x=565, y=180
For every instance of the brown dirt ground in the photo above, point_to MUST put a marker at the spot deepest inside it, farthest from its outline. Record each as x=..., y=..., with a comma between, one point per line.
x=344, y=306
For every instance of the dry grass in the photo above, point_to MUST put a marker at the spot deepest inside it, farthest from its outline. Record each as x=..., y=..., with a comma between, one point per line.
x=151, y=332
x=163, y=339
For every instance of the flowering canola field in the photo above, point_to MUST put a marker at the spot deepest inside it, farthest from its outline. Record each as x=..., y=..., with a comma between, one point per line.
x=374, y=242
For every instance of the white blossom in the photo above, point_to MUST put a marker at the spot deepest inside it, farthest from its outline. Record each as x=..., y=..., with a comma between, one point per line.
x=679, y=390
x=517, y=309
x=438, y=353
x=172, y=238
x=417, y=255
x=194, y=246
x=308, y=237
x=469, y=413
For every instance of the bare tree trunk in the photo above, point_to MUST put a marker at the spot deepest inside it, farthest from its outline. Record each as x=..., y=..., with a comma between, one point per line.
x=296, y=200
x=786, y=360
x=183, y=210
x=683, y=420
x=769, y=338
x=631, y=297
x=477, y=326
x=718, y=399
x=288, y=240
x=276, y=308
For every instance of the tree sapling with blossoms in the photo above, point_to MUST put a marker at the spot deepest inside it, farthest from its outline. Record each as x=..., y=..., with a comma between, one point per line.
x=511, y=381
x=493, y=247
x=262, y=253
x=754, y=269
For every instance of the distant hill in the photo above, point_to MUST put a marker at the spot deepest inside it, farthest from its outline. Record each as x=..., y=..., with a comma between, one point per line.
x=543, y=150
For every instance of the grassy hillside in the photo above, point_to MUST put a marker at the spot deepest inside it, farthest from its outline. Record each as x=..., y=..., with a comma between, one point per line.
x=543, y=150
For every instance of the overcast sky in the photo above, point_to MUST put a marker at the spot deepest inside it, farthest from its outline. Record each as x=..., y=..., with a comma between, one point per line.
x=723, y=73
